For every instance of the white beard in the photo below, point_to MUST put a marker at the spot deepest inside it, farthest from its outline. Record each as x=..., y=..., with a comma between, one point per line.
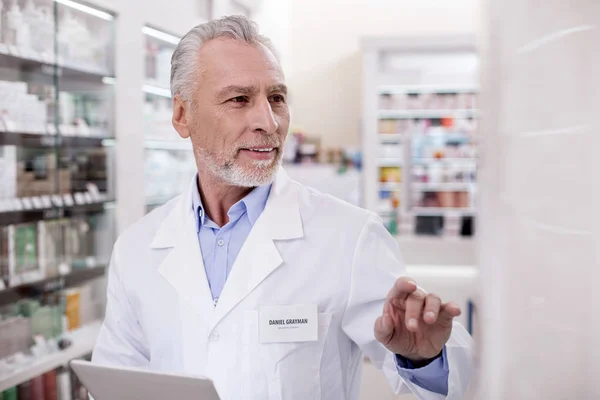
x=262, y=173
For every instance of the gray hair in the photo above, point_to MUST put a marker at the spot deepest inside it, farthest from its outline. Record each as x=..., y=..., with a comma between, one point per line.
x=184, y=60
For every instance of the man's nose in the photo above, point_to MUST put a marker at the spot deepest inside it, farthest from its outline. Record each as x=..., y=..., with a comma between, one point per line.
x=262, y=117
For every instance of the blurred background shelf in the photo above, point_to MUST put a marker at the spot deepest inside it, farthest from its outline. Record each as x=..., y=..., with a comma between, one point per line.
x=444, y=186
x=390, y=185
x=426, y=89
x=76, y=277
x=447, y=161
x=392, y=137
x=390, y=162
x=27, y=216
x=41, y=140
x=31, y=61
x=440, y=211
x=83, y=341
x=423, y=114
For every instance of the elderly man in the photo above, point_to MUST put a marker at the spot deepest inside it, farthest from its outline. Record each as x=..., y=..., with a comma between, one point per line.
x=269, y=288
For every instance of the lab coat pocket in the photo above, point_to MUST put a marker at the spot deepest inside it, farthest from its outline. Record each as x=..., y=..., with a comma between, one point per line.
x=290, y=370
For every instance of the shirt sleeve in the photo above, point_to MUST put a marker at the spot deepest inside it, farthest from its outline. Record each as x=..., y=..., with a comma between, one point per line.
x=433, y=376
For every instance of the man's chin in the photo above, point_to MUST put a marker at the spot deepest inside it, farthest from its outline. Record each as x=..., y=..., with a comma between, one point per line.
x=253, y=175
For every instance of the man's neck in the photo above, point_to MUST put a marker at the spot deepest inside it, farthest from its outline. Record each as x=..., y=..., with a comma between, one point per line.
x=218, y=197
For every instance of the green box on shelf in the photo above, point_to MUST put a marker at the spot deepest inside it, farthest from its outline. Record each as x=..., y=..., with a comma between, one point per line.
x=9, y=394
x=28, y=307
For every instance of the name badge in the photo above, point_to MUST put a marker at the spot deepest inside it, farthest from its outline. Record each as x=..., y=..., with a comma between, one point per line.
x=285, y=324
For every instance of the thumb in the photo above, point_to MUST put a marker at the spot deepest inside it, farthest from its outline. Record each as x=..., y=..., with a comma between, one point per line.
x=384, y=329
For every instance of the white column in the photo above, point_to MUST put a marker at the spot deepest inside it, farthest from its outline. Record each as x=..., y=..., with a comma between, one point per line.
x=540, y=224
x=129, y=118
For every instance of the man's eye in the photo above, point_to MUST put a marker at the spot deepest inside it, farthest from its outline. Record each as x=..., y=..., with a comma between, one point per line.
x=278, y=98
x=239, y=99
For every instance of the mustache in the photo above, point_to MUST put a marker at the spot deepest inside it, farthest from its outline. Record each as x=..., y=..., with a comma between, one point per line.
x=261, y=143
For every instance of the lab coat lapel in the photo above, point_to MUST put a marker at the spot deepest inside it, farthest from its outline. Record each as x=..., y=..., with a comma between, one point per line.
x=259, y=256
x=183, y=267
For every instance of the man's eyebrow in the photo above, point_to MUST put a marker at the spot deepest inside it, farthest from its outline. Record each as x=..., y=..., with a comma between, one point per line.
x=278, y=88
x=241, y=90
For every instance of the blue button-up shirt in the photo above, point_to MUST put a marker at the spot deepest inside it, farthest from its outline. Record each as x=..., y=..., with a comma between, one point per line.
x=220, y=247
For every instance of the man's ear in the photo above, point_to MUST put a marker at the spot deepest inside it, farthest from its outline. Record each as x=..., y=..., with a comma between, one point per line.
x=181, y=117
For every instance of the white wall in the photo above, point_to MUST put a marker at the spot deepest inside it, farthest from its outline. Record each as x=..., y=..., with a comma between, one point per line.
x=324, y=65
x=540, y=180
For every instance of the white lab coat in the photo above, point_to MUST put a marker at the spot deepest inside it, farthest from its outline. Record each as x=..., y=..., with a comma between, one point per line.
x=305, y=248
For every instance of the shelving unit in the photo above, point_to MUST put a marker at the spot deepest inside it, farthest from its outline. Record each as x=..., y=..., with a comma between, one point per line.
x=169, y=160
x=426, y=114
x=83, y=341
x=53, y=212
x=57, y=178
x=36, y=288
x=43, y=140
x=420, y=115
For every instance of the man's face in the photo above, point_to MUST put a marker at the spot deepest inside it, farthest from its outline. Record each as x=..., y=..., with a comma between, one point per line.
x=239, y=115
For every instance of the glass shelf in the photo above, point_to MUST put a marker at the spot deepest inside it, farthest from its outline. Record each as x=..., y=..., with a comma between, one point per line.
x=56, y=109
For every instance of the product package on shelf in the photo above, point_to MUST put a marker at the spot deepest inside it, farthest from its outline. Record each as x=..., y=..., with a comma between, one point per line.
x=442, y=199
x=428, y=101
x=390, y=174
x=79, y=243
x=77, y=46
x=4, y=257
x=73, y=309
x=10, y=394
x=38, y=176
x=21, y=110
x=50, y=386
x=88, y=167
x=50, y=239
x=23, y=254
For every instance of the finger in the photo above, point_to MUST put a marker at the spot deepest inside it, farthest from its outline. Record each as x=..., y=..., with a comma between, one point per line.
x=450, y=311
x=414, y=310
x=384, y=328
x=431, y=310
x=402, y=288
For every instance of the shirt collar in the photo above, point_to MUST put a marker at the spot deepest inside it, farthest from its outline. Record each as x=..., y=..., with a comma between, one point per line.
x=253, y=204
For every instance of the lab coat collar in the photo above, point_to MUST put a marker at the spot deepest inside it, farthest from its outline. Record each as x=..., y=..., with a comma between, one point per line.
x=252, y=204
x=183, y=267
x=282, y=211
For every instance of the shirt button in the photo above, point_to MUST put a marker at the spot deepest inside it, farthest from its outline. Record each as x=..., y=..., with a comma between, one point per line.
x=214, y=337
x=220, y=242
x=215, y=301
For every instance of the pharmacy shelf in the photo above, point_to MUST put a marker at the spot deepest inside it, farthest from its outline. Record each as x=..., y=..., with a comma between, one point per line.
x=392, y=137
x=34, y=215
x=31, y=61
x=424, y=114
x=447, y=161
x=83, y=341
x=24, y=139
x=430, y=89
x=441, y=211
x=390, y=186
x=443, y=187
x=76, y=277
x=390, y=162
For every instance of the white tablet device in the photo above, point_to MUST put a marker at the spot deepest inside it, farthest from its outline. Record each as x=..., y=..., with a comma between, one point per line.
x=124, y=383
